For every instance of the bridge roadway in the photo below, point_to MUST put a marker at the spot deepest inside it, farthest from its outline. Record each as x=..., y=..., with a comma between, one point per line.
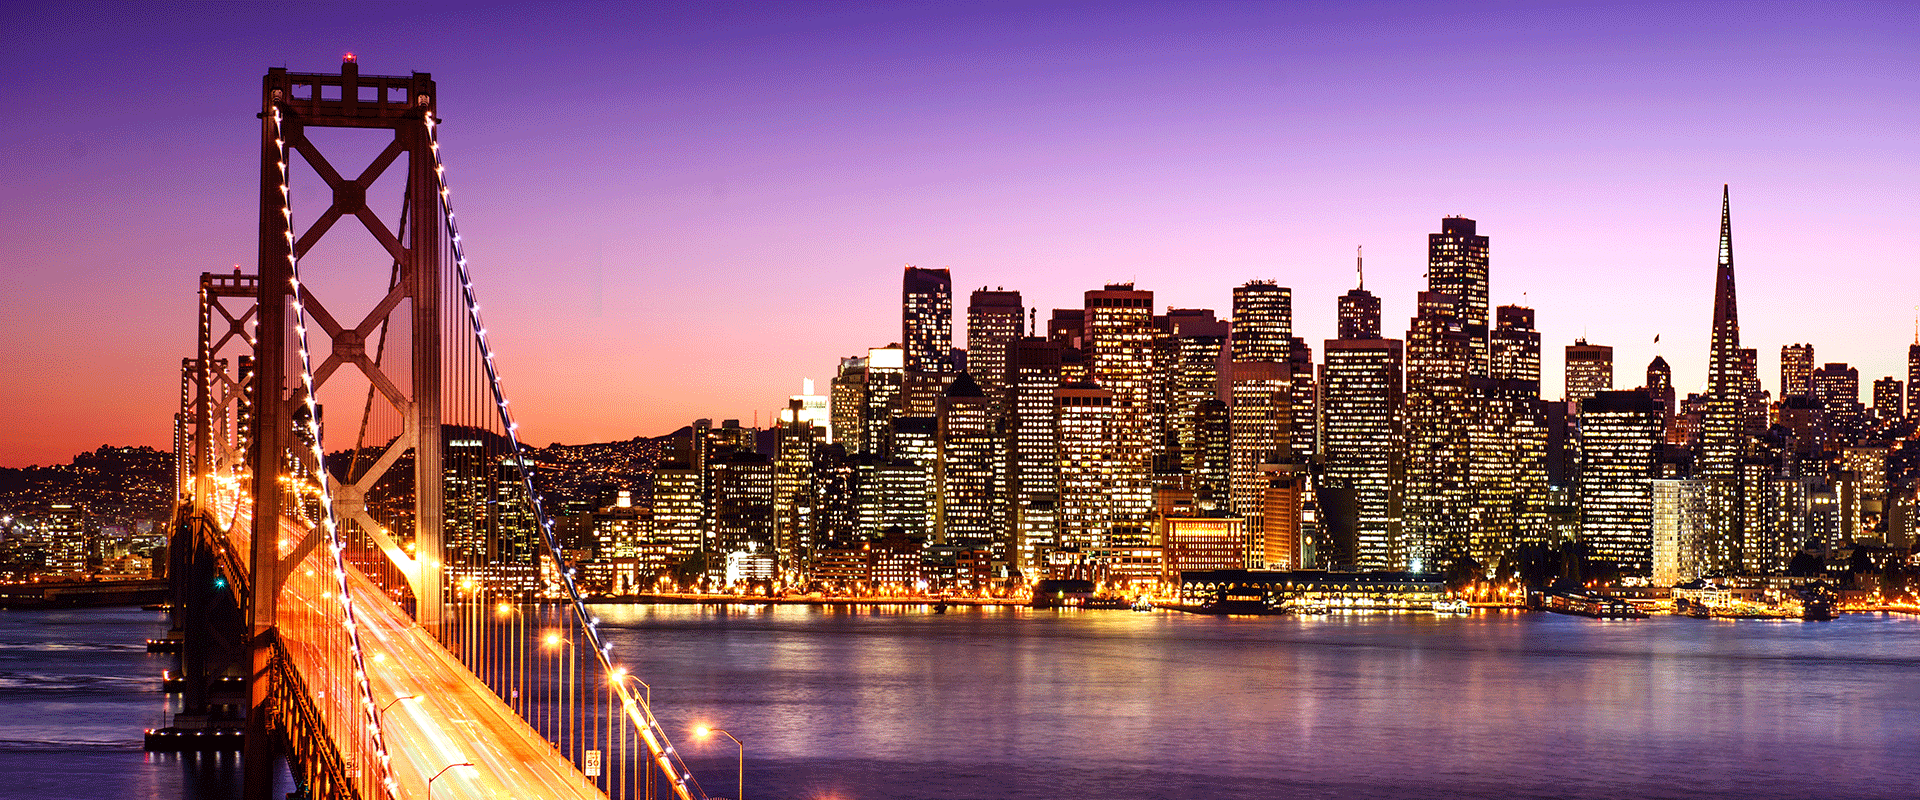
x=453, y=717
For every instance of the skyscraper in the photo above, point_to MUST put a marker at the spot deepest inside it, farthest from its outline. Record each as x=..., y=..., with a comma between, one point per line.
x=1192, y=366
x=885, y=383
x=1796, y=370
x=1262, y=417
x=1362, y=450
x=1034, y=456
x=1439, y=364
x=1659, y=386
x=1119, y=336
x=1589, y=371
x=1359, y=309
x=1722, y=441
x=1091, y=479
x=1619, y=434
x=1508, y=441
x=1888, y=399
x=994, y=320
x=926, y=319
x=1262, y=321
x=1913, y=376
x=1457, y=262
x=970, y=474
x=1837, y=388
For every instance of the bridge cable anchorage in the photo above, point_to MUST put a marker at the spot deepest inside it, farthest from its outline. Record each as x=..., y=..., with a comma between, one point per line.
x=327, y=523
x=638, y=710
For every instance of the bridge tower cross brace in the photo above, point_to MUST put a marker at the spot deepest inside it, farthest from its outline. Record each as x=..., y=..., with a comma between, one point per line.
x=302, y=101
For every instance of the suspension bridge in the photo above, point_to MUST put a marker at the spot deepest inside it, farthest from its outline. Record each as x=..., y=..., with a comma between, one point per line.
x=377, y=592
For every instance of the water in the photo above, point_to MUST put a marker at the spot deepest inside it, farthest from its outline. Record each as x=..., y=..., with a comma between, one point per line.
x=77, y=691
x=1118, y=705
x=1115, y=705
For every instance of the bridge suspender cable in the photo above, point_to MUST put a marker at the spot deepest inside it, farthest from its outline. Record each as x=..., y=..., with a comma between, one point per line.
x=327, y=523
x=638, y=711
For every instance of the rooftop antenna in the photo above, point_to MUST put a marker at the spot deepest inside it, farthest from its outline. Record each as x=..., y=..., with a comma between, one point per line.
x=1359, y=265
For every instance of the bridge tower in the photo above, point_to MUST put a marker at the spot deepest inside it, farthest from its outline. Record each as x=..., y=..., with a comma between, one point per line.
x=291, y=105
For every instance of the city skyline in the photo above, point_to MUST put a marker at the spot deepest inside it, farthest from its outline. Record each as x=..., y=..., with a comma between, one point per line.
x=721, y=262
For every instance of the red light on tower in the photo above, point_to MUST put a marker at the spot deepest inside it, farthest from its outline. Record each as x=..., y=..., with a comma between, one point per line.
x=347, y=59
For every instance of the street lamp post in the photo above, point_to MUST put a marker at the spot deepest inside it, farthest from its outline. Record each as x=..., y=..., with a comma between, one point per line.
x=383, y=709
x=443, y=771
x=740, y=787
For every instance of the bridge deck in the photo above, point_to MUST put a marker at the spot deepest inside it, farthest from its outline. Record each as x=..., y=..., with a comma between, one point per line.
x=453, y=719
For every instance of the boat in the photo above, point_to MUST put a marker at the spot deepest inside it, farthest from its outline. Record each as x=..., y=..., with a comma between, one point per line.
x=1143, y=604
x=1592, y=606
x=1451, y=607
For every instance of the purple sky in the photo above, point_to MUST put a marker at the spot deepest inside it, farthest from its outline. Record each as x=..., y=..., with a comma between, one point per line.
x=680, y=211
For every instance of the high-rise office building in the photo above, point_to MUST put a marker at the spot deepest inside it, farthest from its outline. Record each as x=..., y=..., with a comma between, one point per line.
x=1191, y=363
x=1440, y=356
x=1659, y=386
x=1888, y=397
x=1362, y=450
x=1091, y=478
x=970, y=475
x=1589, y=371
x=884, y=384
x=1359, y=309
x=1836, y=387
x=794, y=494
x=1034, y=453
x=847, y=403
x=1796, y=370
x=1119, y=337
x=926, y=319
x=1508, y=442
x=1721, y=445
x=1262, y=321
x=1913, y=376
x=1304, y=402
x=1457, y=262
x=994, y=320
x=1619, y=434
x=1261, y=420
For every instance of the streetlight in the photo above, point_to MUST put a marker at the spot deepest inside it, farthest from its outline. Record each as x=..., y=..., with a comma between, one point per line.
x=740, y=788
x=443, y=771
x=383, y=709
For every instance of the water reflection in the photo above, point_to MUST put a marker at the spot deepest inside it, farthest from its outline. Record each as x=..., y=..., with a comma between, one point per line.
x=997, y=703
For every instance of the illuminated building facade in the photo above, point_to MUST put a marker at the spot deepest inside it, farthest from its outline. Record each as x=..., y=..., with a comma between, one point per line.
x=995, y=320
x=1119, y=337
x=1191, y=368
x=1796, y=370
x=1091, y=479
x=926, y=319
x=1620, y=433
x=1360, y=421
x=1722, y=446
x=1457, y=260
x=1589, y=371
x=1199, y=543
x=1033, y=467
x=1440, y=356
x=1508, y=442
x=885, y=384
x=1262, y=322
x=1262, y=417
x=970, y=473
x=847, y=404
x=1889, y=395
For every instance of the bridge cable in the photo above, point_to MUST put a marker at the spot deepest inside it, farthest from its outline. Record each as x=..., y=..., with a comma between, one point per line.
x=327, y=523
x=637, y=710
